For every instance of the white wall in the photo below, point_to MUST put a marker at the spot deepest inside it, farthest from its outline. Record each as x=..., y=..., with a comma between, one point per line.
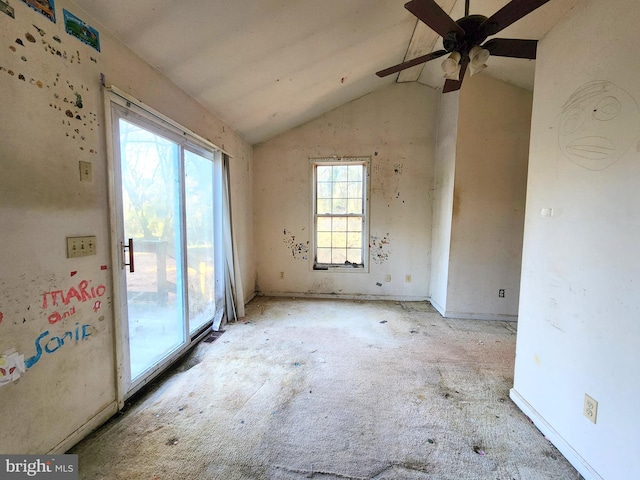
x=488, y=199
x=578, y=321
x=445, y=167
x=479, y=197
x=71, y=388
x=395, y=126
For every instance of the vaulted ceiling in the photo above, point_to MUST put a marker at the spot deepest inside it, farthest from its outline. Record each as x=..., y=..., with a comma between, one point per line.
x=266, y=66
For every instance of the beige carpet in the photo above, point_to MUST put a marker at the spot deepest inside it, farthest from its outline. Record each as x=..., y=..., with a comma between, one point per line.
x=330, y=389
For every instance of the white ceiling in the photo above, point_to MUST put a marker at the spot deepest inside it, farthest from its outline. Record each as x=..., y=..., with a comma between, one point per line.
x=265, y=66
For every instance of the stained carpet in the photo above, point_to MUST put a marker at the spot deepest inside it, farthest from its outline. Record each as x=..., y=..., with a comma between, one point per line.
x=332, y=389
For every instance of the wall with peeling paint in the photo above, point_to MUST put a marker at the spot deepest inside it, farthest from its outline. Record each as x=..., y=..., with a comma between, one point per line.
x=395, y=127
x=579, y=327
x=55, y=311
x=488, y=199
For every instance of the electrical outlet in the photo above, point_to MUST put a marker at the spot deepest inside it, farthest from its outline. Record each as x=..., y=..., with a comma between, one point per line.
x=86, y=171
x=407, y=278
x=590, y=409
x=281, y=274
x=387, y=278
x=501, y=293
x=81, y=246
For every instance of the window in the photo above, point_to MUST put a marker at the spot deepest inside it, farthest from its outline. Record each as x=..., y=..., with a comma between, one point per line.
x=340, y=213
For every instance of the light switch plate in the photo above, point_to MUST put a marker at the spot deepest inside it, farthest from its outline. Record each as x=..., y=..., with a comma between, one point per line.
x=86, y=171
x=81, y=246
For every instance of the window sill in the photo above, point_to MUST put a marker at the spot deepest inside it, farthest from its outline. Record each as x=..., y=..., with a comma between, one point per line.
x=351, y=267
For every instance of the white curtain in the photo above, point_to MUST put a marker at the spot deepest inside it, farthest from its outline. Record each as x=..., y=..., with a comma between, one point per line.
x=234, y=293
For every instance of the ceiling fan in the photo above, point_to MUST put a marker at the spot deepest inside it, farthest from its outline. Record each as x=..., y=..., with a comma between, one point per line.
x=462, y=38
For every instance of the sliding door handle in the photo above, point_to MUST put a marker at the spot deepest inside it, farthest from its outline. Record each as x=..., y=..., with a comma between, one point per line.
x=128, y=246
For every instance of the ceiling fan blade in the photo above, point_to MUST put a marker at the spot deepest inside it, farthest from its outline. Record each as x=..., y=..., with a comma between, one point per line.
x=511, y=47
x=453, y=85
x=411, y=63
x=437, y=19
x=510, y=13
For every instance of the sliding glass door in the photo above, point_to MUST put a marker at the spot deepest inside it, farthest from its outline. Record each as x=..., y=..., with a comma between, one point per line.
x=165, y=205
x=150, y=166
x=198, y=183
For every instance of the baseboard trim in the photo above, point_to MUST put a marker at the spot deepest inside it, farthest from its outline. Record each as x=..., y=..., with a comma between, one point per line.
x=438, y=307
x=473, y=316
x=480, y=316
x=554, y=437
x=250, y=297
x=345, y=296
x=90, y=425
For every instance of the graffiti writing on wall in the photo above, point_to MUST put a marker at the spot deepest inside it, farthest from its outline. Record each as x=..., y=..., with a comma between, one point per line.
x=82, y=293
x=299, y=250
x=379, y=248
x=58, y=305
x=46, y=343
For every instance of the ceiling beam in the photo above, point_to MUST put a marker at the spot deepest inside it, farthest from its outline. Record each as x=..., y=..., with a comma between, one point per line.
x=423, y=41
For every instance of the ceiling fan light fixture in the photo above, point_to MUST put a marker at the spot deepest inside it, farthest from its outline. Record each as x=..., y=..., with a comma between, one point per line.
x=477, y=59
x=451, y=66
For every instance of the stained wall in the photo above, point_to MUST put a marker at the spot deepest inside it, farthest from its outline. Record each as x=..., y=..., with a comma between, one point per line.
x=489, y=199
x=578, y=325
x=396, y=128
x=479, y=199
x=58, y=312
x=444, y=178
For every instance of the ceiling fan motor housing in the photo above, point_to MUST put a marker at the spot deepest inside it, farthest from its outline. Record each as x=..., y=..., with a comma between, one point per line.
x=474, y=35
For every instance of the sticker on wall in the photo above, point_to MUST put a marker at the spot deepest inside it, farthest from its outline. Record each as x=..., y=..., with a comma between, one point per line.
x=598, y=124
x=45, y=7
x=71, y=100
x=7, y=9
x=11, y=367
x=85, y=33
x=378, y=248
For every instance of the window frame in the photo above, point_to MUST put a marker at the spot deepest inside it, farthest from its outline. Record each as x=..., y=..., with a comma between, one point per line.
x=332, y=267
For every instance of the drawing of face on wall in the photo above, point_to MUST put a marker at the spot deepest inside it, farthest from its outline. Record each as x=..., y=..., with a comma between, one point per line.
x=598, y=124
